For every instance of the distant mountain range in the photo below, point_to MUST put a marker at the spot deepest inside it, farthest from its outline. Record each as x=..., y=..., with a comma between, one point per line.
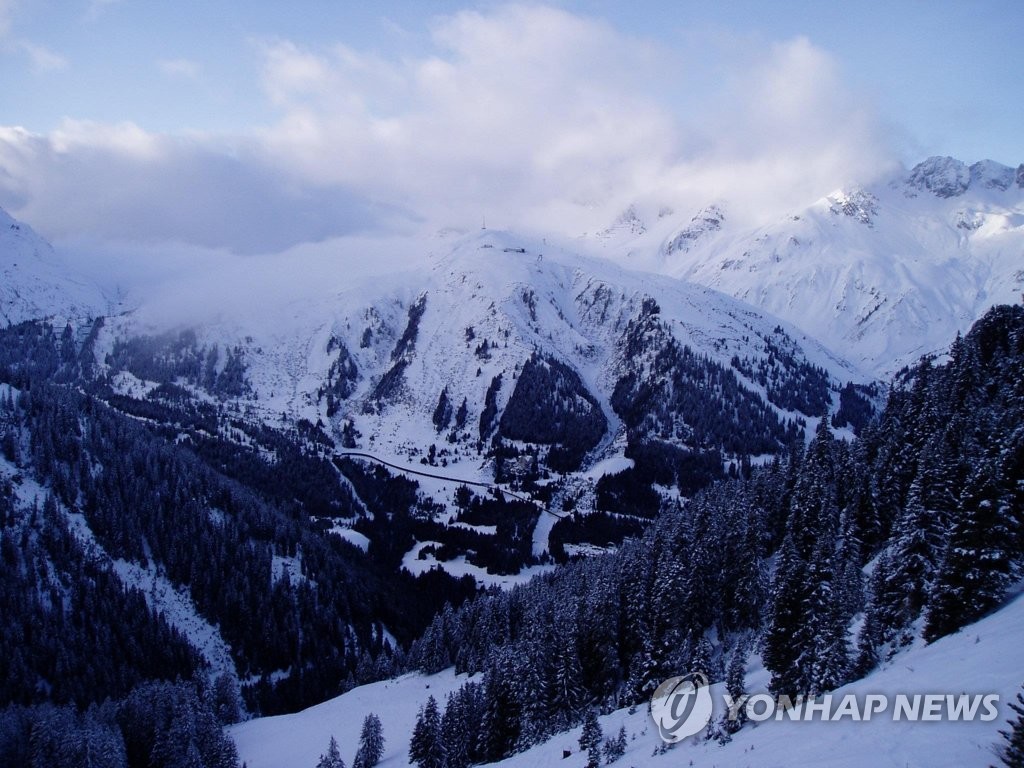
x=881, y=273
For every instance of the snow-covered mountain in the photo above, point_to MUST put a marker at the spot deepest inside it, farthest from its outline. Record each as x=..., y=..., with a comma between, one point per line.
x=33, y=282
x=487, y=357
x=881, y=273
x=211, y=465
x=493, y=357
x=375, y=355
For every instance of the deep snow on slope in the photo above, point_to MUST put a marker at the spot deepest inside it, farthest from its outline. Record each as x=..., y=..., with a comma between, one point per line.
x=34, y=283
x=986, y=657
x=881, y=273
x=486, y=301
x=299, y=739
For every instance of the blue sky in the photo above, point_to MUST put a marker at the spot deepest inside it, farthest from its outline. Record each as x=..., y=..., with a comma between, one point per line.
x=604, y=100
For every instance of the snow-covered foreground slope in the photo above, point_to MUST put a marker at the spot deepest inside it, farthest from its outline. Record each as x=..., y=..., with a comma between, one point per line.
x=882, y=273
x=298, y=739
x=987, y=657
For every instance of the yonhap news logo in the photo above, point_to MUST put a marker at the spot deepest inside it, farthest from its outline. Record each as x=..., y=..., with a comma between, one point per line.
x=683, y=706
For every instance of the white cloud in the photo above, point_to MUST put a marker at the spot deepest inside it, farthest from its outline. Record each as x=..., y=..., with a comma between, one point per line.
x=41, y=58
x=120, y=183
x=186, y=68
x=516, y=111
x=533, y=116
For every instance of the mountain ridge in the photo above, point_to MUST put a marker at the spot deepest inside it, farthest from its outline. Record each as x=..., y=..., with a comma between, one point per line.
x=882, y=273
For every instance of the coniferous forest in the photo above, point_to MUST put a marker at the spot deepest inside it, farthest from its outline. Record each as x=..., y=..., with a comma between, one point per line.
x=912, y=530
x=918, y=526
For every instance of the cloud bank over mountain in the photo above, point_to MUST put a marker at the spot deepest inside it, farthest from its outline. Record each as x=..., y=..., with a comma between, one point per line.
x=531, y=116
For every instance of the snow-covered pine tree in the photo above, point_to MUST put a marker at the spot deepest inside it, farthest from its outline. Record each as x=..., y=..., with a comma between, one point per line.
x=915, y=554
x=615, y=748
x=443, y=411
x=456, y=732
x=501, y=723
x=567, y=694
x=781, y=653
x=1011, y=753
x=530, y=689
x=976, y=569
x=226, y=701
x=736, y=687
x=332, y=757
x=371, y=743
x=824, y=660
x=425, y=748
x=590, y=738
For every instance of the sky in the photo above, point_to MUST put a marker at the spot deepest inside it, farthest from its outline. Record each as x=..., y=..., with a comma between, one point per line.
x=256, y=127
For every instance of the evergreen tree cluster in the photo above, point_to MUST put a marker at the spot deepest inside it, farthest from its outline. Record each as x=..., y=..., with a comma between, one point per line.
x=390, y=386
x=157, y=725
x=603, y=631
x=550, y=405
x=172, y=357
x=66, y=617
x=402, y=517
x=342, y=377
x=855, y=407
x=919, y=518
x=1011, y=752
x=951, y=497
x=790, y=382
x=210, y=500
x=598, y=529
x=671, y=393
x=489, y=413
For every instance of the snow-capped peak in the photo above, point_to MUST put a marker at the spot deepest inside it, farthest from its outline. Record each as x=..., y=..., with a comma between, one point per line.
x=942, y=176
x=992, y=175
x=947, y=177
x=858, y=204
x=706, y=221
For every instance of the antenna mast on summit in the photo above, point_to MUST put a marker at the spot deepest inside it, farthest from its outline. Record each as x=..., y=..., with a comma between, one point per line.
x=483, y=221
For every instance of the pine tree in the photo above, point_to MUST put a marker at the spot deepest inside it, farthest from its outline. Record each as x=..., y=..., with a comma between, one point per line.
x=977, y=567
x=566, y=691
x=227, y=703
x=781, y=653
x=824, y=660
x=371, y=743
x=501, y=723
x=868, y=642
x=703, y=659
x=590, y=739
x=425, y=748
x=530, y=689
x=615, y=748
x=332, y=758
x=915, y=553
x=1012, y=752
x=443, y=411
x=456, y=731
x=736, y=687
